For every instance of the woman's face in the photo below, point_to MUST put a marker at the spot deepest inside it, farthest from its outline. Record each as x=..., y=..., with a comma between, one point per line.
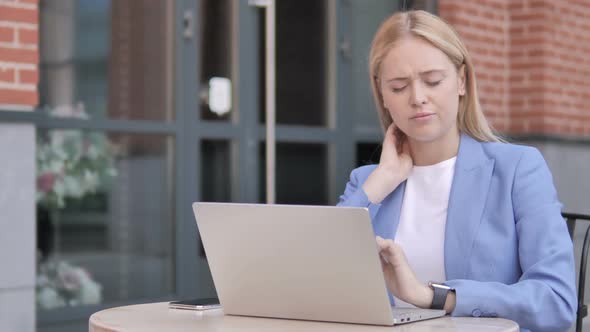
x=421, y=88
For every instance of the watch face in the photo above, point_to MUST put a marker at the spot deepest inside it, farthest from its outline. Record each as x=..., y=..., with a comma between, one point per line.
x=437, y=285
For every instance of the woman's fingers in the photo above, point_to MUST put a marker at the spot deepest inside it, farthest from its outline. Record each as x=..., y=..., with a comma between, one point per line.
x=391, y=252
x=385, y=248
x=382, y=243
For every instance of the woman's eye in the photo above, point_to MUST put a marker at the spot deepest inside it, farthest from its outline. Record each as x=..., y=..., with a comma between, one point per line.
x=434, y=83
x=398, y=90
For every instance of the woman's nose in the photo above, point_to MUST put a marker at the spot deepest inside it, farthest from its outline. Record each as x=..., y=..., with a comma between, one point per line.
x=418, y=96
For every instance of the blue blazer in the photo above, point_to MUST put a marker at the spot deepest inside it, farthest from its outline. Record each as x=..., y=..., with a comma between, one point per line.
x=507, y=249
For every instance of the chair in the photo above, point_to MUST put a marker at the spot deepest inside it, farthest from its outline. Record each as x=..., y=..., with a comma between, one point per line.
x=571, y=219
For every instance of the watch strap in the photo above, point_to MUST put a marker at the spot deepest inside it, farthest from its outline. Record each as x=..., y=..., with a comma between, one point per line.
x=440, y=297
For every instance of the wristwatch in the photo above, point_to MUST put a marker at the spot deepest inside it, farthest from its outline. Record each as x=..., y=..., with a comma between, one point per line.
x=440, y=294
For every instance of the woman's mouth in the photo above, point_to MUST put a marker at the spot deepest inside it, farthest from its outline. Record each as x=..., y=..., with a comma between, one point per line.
x=422, y=116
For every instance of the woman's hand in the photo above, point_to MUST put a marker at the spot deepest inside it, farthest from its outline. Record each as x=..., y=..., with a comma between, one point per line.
x=394, y=167
x=400, y=278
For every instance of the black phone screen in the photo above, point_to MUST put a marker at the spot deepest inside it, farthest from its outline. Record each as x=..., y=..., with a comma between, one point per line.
x=205, y=301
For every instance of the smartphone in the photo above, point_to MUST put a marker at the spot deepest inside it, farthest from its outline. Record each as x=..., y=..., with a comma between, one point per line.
x=196, y=304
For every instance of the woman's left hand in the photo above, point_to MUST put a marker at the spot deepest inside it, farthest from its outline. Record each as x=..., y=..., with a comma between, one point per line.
x=400, y=278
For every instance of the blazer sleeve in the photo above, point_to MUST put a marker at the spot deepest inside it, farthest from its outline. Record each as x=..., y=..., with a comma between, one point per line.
x=354, y=195
x=544, y=298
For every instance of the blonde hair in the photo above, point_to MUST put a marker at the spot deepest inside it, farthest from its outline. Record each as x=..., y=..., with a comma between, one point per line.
x=419, y=23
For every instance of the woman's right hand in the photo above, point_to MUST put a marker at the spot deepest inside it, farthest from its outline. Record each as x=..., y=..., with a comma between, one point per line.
x=394, y=167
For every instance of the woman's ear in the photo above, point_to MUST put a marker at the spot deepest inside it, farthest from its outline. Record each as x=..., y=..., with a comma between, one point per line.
x=461, y=76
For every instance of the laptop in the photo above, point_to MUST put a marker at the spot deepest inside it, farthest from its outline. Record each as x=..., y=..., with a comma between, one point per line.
x=316, y=263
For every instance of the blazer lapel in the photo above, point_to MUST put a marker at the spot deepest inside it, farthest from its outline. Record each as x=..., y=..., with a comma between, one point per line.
x=471, y=181
x=387, y=218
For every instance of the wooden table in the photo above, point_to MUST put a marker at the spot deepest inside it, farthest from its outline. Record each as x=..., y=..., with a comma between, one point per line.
x=157, y=317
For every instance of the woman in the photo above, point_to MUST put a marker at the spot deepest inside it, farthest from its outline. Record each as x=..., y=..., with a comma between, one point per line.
x=449, y=201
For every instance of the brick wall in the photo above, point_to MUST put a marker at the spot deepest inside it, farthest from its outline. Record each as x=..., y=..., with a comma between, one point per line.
x=19, y=54
x=531, y=57
x=483, y=26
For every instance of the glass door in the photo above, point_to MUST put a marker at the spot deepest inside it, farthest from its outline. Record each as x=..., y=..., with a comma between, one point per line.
x=108, y=159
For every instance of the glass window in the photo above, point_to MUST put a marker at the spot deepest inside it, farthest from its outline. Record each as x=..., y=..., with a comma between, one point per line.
x=364, y=23
x=216, y=60
x=215, y=174
x=301, y=63
x=367, y=153
x=105, y=217
x=428, y=5
x=301, y=174
x=215, y=171
x=106, y=59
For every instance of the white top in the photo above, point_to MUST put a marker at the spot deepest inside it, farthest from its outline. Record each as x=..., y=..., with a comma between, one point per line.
x=423, y=218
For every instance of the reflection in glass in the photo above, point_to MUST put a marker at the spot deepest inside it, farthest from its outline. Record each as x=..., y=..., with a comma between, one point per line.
x=215, y=174
x=301, y=63
x=301, y=174
x=216, y=51
x=106, y=59
x=215, y=171
x=105, y=217
x=364, y=23
x=367, y=154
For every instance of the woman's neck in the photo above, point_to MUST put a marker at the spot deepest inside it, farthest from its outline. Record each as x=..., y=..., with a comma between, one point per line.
x=434, y=152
